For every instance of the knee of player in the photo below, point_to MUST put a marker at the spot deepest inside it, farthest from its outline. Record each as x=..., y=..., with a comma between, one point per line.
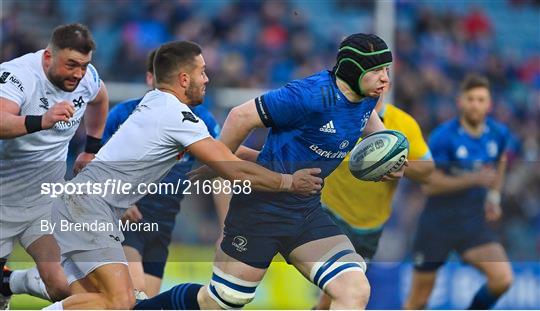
x=350, y=289
x=230, y=292
x=501, y=283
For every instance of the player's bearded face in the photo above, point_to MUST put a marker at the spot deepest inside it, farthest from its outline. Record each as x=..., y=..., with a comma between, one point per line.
x=197, y=82
x=66, y=68
x=474, y=105
x=195, y=92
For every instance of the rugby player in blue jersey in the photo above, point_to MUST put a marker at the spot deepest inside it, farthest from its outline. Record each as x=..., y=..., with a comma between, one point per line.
x=147, y=252
x=463, y=196
x=314, y=122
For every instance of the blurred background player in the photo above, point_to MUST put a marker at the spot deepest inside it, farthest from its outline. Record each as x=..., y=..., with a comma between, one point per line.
x=361, y=208
x=161, y=129
x=146, y=252
x=43, y=100
x=313, y=122
x=463, y=197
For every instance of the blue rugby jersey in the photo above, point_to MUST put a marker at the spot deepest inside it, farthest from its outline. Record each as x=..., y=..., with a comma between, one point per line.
x=161, y=206
x=457, y=152
x=312, y=125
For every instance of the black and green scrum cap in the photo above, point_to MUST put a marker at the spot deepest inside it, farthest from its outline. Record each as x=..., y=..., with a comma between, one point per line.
x=358, y=54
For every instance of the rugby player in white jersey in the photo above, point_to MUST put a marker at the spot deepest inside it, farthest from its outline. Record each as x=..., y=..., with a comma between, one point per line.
x=142, y=151
x=43, y=98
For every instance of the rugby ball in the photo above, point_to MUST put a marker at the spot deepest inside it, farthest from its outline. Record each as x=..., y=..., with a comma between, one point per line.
x=378, y=154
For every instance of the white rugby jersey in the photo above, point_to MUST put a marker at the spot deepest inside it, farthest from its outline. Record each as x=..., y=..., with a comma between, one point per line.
x=31, y=159
x=145, y=147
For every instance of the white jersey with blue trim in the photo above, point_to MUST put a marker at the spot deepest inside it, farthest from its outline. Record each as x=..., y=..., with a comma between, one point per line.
x=24, y=82
x=145, y=147
x=36, y=158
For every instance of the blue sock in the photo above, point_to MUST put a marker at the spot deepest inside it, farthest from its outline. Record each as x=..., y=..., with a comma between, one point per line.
x=180, y=297
x=483, y=299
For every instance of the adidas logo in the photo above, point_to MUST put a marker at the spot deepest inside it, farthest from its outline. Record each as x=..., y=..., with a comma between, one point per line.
x=328, y=127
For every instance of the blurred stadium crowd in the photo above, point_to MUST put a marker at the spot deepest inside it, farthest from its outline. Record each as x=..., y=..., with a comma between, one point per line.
x=264, y=44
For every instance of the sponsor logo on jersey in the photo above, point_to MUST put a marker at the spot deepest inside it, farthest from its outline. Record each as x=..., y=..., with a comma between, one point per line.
x=190, y=117
x=4, y=76
x=344, y=144
x=13, y=81
x=328, y=128
x=44, y=103
x=240, y=242
x=328, y=154
x=78, y=102
x=63, y=125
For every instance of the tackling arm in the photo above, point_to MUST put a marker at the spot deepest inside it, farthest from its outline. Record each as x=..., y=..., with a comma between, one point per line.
x=218, y=157
x=247, y=154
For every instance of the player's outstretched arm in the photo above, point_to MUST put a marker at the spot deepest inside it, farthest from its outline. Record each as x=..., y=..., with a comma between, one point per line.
x=247, y=154
x=218, y=157
x=95, y=117
x=13, y=125
x=441, y=183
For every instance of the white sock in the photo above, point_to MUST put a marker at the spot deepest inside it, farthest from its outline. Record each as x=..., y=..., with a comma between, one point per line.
x=55, y=306
x=28, y=282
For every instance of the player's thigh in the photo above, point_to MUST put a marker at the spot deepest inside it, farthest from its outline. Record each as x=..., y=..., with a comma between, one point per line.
x=433, y=241
x=8, y=234
x=332, y=264
x=112, y=279
x=22, y=224
x=237, y=268
x=490, y=259
x=135, y=267
x=82, y=286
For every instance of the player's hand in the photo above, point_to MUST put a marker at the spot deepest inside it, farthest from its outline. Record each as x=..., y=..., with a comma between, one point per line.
x=306, y=182
x=132, y=214
x=397, y=175
x=61, y=111
x=485, y=177
x=202, y=173
x=492, y=211
x=82, y=160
